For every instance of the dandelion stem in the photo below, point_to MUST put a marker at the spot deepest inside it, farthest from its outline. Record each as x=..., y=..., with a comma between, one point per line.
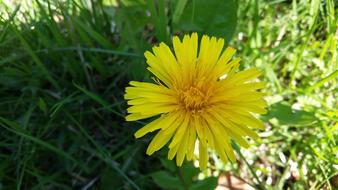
x=180, y=176
x=260, y=184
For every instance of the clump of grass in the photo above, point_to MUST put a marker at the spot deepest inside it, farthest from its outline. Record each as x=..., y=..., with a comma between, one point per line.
x=63, y=72
x=292, y=41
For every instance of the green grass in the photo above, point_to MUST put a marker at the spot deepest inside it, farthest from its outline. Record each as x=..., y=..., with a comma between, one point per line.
x=64, y=66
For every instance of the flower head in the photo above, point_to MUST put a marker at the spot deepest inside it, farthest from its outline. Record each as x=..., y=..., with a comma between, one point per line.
x=198, y=95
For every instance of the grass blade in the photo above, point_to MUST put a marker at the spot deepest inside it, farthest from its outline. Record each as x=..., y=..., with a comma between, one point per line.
x=322, y=81
x=98, y=99
x=15, y=128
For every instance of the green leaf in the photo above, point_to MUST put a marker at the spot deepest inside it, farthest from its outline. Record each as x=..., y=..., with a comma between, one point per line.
x=188, y=172
x=207, y=183
x=285, y=115
x=213, y=17
x=166, y=180
x=168, y=164
x=110, y=178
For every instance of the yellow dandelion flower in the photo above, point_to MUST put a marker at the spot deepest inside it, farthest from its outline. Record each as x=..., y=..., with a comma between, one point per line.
x=198, y=96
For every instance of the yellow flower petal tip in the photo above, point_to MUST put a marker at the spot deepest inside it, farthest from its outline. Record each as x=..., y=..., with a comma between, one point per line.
x=200, y=96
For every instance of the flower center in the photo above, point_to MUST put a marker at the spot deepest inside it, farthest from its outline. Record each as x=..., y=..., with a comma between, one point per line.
x=193, y=99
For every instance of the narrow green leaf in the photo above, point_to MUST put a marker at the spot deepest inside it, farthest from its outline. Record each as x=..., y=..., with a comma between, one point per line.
x=159, y=19
x=98, y=99
x=35, y=57
x=207, y=183
x=16, y=129
x=166, y=180
x=180, y=5
x=212, y=17
x=285, y=115
x=322, y=81
x=92, y=33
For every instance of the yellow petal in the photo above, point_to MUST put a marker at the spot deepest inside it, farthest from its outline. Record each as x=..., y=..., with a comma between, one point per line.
x=158, y=142
x=203, y=156
x=221, y=139
x=172, y=152
x=181, y=132
x=155, y=108
x=164, y=135
x=138, y=116
x=157, y=68
x=200, y=130
x=150, y=127
x=163, y=123
x=209, y=136
x=191, y=142
x=181, y=151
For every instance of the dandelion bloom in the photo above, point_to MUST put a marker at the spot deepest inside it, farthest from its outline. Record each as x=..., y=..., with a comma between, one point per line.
x=198, y=95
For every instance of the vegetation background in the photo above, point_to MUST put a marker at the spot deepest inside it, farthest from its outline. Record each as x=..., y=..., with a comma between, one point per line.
x=64, y=65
